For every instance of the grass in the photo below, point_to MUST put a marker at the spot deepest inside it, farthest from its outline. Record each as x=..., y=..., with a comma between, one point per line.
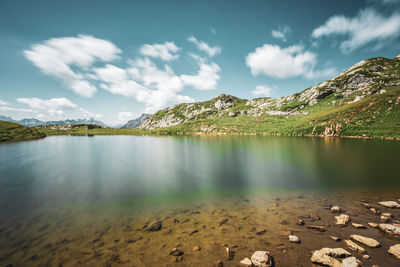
x=10, y=131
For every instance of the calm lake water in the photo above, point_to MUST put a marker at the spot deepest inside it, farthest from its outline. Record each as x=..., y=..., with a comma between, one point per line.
x=76, y=200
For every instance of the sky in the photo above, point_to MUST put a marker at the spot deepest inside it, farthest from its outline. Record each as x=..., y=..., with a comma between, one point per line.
x=113, y=60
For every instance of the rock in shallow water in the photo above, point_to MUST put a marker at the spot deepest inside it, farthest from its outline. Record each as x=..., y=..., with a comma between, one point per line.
x=390, y=204
x=366, y=241
x=342, y=219
x=261, y=259
x=335, y=209
x=358, y=226
x=154, y=226
x=176, y=252
x=395, y=250
x=390, y=229
x=350, y=262
x=294, y=239
x=229, y=254
x=354, y=246
x=246, y=263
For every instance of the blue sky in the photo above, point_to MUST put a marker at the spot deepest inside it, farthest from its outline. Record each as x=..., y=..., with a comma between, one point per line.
x=114, y=60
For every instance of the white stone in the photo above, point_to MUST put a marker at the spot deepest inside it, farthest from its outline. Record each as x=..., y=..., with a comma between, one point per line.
x=390, y=229
x=246, y=263
x=395, y=250
x=390, y=204
x=335, y=209
x=261, y=259
x=350, y=262
x=294, y=239
x=366, y=241
x=342, y=219
x=354, y=246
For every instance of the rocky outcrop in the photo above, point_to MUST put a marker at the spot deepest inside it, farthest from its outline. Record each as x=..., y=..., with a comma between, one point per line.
x=133, y=124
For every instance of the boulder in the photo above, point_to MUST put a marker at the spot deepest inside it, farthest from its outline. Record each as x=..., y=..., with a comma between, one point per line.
x=355, y=247
x=390, y=204
x=390, y=229
x=321, y=258
x=350, y=262
x=262, y=259
x=335, y=209
x=366, y=241
x=395, y=250
x=294, y=239
x=246, y=263
x=342, y=219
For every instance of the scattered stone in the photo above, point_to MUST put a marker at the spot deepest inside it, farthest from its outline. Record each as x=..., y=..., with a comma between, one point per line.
x=314, y=217
x=342, y=219
x=390, y=229
x=300, y=222
x=390, y=204
x=354, y=246
x=366, y=205
x=374, y=210
x=219, y=263
x=316, y=227
x=196, y=248
x=154, y=226
x=358, y=226
x=335, y=209
x=395, y=250
x=176, y=252
x=373, y=225
x=260, y=231
x=262, y=259
x=326, y=256
x=246, y=263
x=285, y=233
x=229, y=254
x=366, y=257
x=350, y=262
x=294, y=239
x=232, y=114
x=387, y=214
x=366, y=241
x=384, y=218
x=334, y=238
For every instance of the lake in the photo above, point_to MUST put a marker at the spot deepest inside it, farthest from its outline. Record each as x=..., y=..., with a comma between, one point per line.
x=69, y=200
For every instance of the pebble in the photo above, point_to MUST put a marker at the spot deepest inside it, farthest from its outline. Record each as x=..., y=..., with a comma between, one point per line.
x=335, y=209
x=373, y=225
x=300, y=222
x=334, y=238
x=176, y=252
x=261, y=259
x=246, y=262
x=260, y=231
x=196, y=248
x=316, y=227
x=342, y=219
x=294, y=239
x=358, y=226
x=374, y=210
x=229, y=254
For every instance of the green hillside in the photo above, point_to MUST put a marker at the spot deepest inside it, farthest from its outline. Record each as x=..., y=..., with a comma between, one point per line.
x=10, y=131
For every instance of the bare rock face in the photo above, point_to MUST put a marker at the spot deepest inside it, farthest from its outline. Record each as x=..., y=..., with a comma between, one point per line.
x=354, y=246
x=390, y=229
x=342, y=219
x=366, y=241
x=395, y=250
x=350, y=262
x=261, y=259
x=326, y=256
x=390, y=204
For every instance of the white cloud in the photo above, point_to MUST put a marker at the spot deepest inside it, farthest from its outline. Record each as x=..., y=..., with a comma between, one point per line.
x=57, y=56
x=166, y=51
x=262, y=90
x=365, y=28
x=53, y=106
x=8, y=108
x=277, y=62
x=281, y=32
x=203, y=46
x=124, y=117
x=3, y=103
x=206, y=78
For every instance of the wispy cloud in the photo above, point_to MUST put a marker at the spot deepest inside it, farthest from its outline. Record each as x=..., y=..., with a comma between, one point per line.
x=367, y=27
x=203, y=46
x=3, y=103
x=166, y=51
x=262, y=90
x=53, y=106
x=57, y=57
x=281, y=32
x=275, y=61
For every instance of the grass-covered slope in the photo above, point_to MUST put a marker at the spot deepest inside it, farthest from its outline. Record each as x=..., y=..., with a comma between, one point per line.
x=10, y=131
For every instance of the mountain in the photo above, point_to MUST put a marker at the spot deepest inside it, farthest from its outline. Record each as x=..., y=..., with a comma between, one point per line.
x=133, y=124
x=10, y=131
x=362, y=101
x=35, y=122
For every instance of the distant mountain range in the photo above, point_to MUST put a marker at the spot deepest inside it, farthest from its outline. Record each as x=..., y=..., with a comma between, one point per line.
x=133, y=124
x=35, y=122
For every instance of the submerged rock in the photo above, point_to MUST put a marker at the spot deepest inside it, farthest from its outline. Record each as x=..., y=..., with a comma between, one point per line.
x=390, y=229
x=154, y=226
x=366, y=241
x=335, y=209
x=261, y=259
x=350, y=262
x=395, y=250
x=342, y=219
x=390, y=204
x=294, y=239
x=355, y=247
x=246, y=263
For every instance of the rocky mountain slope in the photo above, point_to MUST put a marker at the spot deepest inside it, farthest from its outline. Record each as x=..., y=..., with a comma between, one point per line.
x=364, y=95
x=133, y=124
x=35, y=122
x=10, y=131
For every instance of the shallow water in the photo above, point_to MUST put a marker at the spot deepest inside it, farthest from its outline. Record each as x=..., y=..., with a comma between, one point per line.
x=85, y=200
